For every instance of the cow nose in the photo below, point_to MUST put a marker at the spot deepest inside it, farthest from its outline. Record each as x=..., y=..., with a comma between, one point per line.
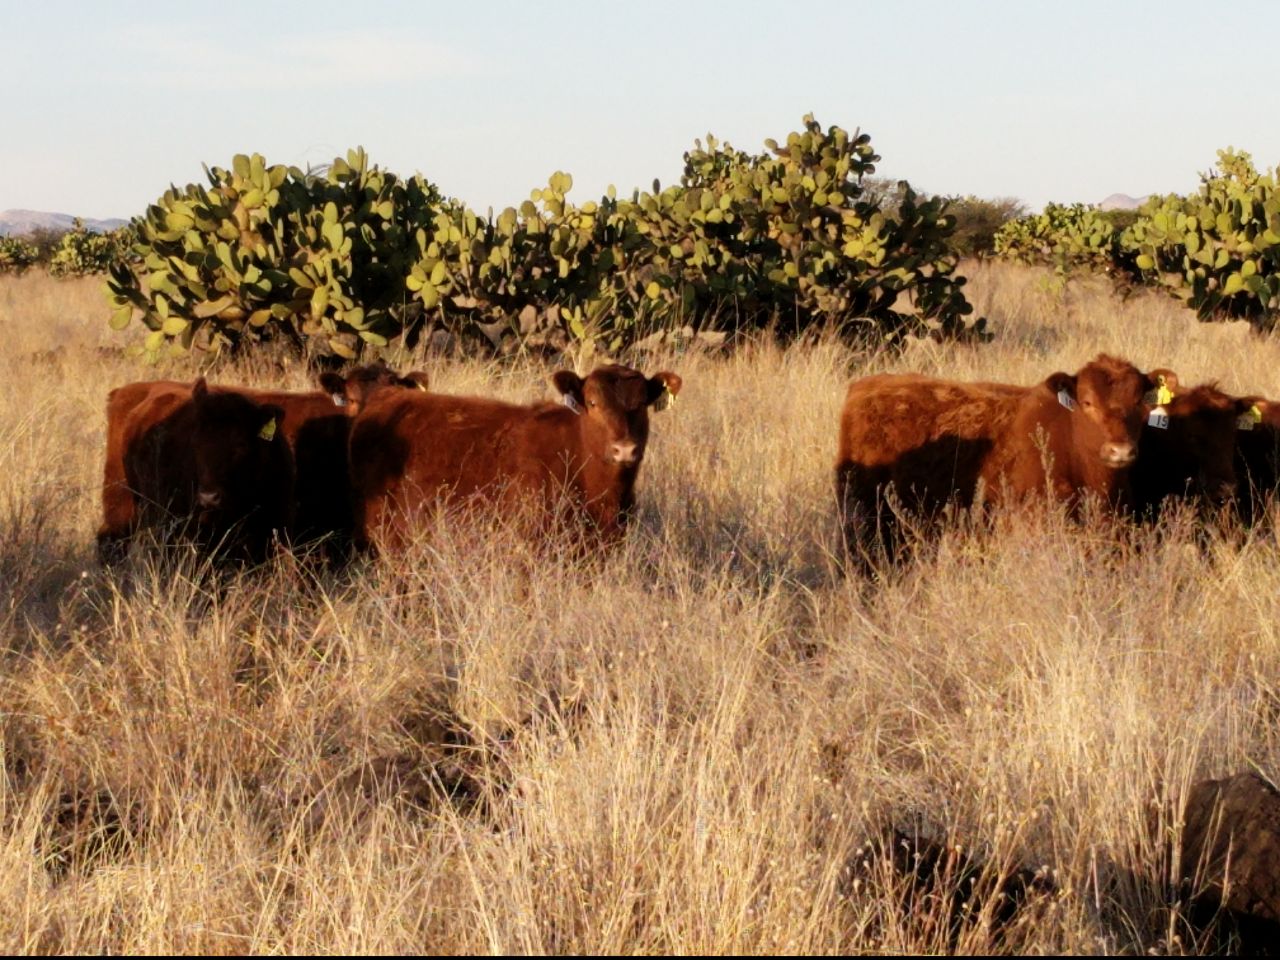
x=209, y=499
x=1118, y=454
x=623, y=453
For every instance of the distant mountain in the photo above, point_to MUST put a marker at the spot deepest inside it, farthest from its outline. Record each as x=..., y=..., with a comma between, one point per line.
x=17, y=222
x=1122, y=201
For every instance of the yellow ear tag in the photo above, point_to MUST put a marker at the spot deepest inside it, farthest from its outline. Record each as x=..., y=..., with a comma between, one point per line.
x=1163, y=394
x=421, y=386
x=268, y=430
x=1249, y=418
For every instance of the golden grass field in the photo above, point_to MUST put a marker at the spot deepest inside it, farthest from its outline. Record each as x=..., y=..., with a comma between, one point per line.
x=477, y=748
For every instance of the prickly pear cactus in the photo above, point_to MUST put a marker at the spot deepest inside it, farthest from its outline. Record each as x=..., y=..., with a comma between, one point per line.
x=1064, y=236
x=1219, y=249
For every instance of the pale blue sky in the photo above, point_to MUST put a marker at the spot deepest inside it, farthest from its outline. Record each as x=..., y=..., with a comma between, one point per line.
x=105, y=104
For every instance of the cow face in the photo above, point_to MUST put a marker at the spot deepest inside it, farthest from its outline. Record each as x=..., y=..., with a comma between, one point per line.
x=614, y=401
x=1202, y=428
x=234, y=445
x=353, y=391
x=1106, y=401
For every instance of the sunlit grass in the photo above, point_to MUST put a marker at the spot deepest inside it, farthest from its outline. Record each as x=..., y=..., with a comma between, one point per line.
x=482, y=746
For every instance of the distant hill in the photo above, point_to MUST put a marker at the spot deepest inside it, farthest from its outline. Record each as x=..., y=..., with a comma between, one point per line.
x=17, y=222
x=1122, y=201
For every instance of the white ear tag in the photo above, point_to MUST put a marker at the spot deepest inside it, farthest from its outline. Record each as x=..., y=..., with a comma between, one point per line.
x=338, y=399
x=1064, y=398
x=568, y=400
x=1158, y=418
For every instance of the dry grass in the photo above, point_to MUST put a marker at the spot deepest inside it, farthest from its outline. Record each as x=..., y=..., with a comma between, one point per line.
x=478, y=748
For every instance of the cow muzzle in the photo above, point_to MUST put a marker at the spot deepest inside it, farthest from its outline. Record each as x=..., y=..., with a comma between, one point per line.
x=624, y=454
x=1118, y=455
x=208, y=500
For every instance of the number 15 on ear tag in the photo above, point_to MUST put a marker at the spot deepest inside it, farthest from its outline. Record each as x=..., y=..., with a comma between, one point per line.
x=1158, y=418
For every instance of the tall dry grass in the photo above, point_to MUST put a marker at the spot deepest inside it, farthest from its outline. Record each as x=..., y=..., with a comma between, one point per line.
x=481, y=747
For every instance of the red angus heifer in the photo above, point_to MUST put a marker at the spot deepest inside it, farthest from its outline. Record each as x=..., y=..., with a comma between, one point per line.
x=412, y=451
x=1188, y=446
x=1257, y=462
x=315, y=426
x=213, y=462
x=936, y=442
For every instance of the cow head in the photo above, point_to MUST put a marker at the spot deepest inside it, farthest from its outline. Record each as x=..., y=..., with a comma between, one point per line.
x=614, y=403
x=360, y=383
x=1198, y=454
x=236, y=446
x=1106, y=400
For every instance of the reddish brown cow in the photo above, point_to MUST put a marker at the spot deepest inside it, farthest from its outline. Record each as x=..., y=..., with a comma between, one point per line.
x=315, y=426
x=410, y=452
x=1257, y=461
x=213, y=462
x=1188, y=447
x=936, y=442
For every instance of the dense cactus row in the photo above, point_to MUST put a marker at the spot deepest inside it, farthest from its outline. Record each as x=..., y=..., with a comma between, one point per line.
x=356, y=256
x=1218, y=249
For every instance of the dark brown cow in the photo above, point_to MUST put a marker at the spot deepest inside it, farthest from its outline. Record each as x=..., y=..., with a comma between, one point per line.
x=410, y=452
x=936, y=442
x=315, y=425
x=1188, y=446
x=215, y=463
x=1257, y=462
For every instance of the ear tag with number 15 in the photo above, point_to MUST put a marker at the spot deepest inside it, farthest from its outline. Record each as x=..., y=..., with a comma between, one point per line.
x=1158, y=418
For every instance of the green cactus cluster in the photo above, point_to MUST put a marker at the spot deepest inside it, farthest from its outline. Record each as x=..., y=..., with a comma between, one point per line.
x=354, y=257
x=81, y=252
x=1218, y=249
x=266, y=251
x=16, y=254
x=1063, y=236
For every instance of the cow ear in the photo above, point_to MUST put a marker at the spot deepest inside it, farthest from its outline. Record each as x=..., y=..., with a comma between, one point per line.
x=663, y=387
x=1062, y=384
x=1249, y=412
x=416, y=379
x=1162, y=386
x=569, y=384
x=332, y=384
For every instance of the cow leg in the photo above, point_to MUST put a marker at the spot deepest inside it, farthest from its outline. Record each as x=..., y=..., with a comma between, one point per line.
x=119, y=522
x=867, y=523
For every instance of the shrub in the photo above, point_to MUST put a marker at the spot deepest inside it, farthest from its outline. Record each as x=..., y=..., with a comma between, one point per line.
x=16, y=254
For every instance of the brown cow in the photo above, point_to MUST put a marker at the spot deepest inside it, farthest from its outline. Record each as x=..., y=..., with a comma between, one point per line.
x=314, y=424
x=1257, y=462
x=936, y=442
x=412, y=451
x=214, y=462
x=1188, y=446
